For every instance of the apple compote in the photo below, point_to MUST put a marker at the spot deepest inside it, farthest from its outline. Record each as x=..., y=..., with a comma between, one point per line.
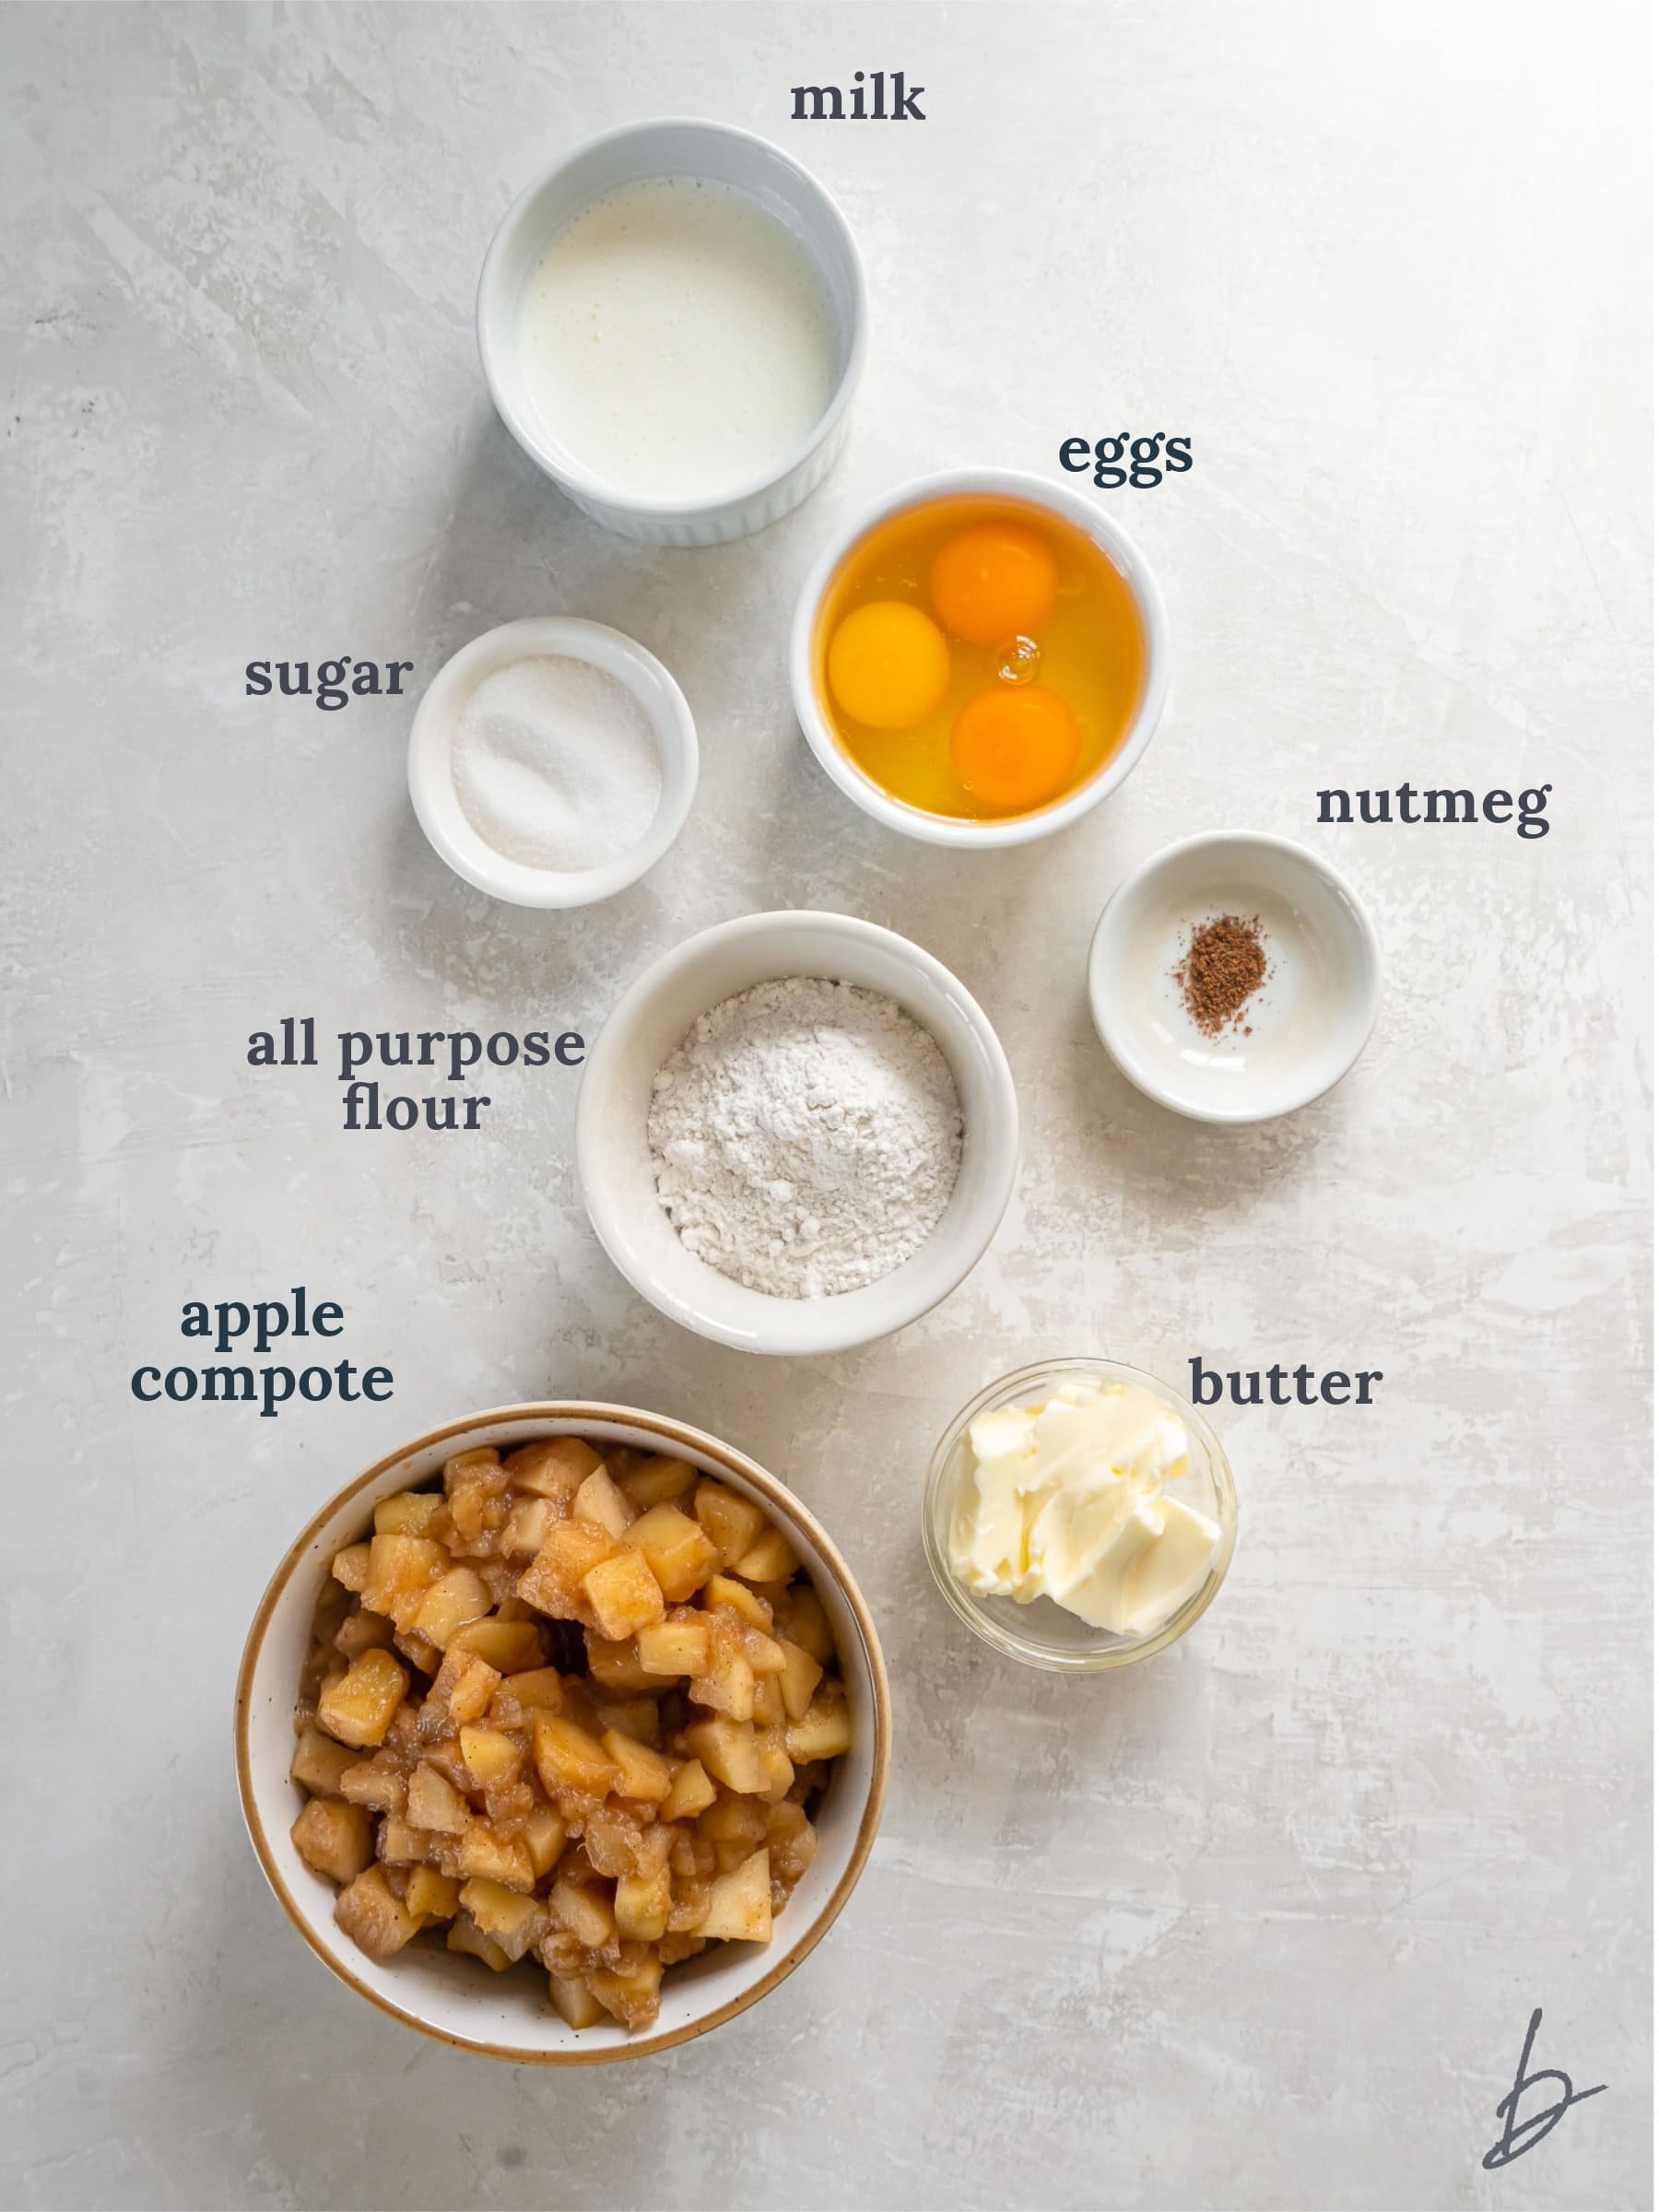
x=567, y=1708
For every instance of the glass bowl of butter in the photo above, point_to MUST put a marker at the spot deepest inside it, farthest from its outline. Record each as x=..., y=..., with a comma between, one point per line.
x=1079, y=1515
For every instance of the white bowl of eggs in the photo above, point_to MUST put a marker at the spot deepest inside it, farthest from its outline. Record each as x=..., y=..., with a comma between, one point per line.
x=979, y=658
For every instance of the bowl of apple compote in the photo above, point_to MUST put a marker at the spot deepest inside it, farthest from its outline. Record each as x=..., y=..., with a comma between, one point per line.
x=583, y=1735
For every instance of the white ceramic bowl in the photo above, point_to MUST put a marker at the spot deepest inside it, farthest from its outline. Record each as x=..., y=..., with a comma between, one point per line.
x=612, y=1156
x=948, y=830
x=1303, y=1029
x=673, y=147
x=432, y=788
x=454, y=1998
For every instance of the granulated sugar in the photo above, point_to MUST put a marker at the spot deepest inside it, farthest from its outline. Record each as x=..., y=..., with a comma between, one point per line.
x=807, y=1137
x=555, y=764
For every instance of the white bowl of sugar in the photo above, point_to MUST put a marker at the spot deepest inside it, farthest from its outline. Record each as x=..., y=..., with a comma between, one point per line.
x=552, y=762
x=836, y=1043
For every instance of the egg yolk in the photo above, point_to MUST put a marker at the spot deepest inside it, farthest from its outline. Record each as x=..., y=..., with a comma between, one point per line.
x=889, y=665
x=1013, y=748
x=993, y=582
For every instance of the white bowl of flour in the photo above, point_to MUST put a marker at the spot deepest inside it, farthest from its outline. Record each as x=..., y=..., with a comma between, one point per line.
x=552, y=762
x=796, y=1133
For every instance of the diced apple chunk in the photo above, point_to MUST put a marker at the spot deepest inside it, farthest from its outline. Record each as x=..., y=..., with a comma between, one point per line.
x=730, y=1691
x=334, y=1839
x=539, y=1687
x=543, y=1838
x=402, y=1569
x=462, y=1467
x=673, y=1947
x=407, y=1512
x=617, y=1665
x=615, y=1841
x=573, y=2001
x=465, y=1935
x=768, y=1560
x=376, y=1921
x=435, y=1804
x=460, y=1692
x=377, y=1782
x=628, y=1992
x=399, y=1844
x=729, y=1753
x=764, y=1653
x=793, y=1841
x=358, y=1708
x=658, y=1479
x=363, y=1632
x=502, y=1859
x=433, y=1895
x=351, y=1566
x=516, y=1921
x=731, y=1524
x=512, y=1647
x=802, y=1673
x=740, y=1907
x=679, y=1552
x=624, y=1595
x=424, y=1657
x=491, y=1756
x=674, y=1647
x=768, y=1702
x=445, y=1755
x=568, y=1757
x=454, y=1599
x=823, y=1731
x=585, y=1910
x=552, y=1582
x=776, y=1764
x=522, y=1698
x=691, y=1792
x=556, y=1467
x=809, y=1624
x=600, y=1501
x=645, y=1775
x=735, y=1820
x=736, y=1597
x=528, y=1521
x=319, y=1763
x=642, y=1903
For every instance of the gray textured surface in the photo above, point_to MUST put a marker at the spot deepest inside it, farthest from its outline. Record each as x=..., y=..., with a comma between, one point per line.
x=1262, y=1926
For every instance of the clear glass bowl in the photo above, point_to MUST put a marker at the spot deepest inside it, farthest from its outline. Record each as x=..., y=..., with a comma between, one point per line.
x=1042, y=1633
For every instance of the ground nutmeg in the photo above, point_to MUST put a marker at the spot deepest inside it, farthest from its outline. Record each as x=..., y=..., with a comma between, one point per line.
x=1225, y=965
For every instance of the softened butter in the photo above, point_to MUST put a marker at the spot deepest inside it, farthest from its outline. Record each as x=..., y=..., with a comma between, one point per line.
x=1066, y=1500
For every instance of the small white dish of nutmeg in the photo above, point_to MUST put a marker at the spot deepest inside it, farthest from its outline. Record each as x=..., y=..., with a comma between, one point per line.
x=1234, y=977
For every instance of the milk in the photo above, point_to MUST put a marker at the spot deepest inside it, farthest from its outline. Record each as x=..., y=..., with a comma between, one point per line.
x=679, y=340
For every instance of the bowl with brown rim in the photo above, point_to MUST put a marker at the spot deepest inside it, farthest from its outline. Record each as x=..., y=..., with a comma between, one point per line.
x=455, y=1999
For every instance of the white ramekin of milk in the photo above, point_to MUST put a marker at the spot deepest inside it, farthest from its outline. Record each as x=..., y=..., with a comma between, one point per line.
x=672, y=325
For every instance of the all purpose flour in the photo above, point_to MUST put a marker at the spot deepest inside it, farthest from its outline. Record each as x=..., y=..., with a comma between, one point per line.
x=806, y=1136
